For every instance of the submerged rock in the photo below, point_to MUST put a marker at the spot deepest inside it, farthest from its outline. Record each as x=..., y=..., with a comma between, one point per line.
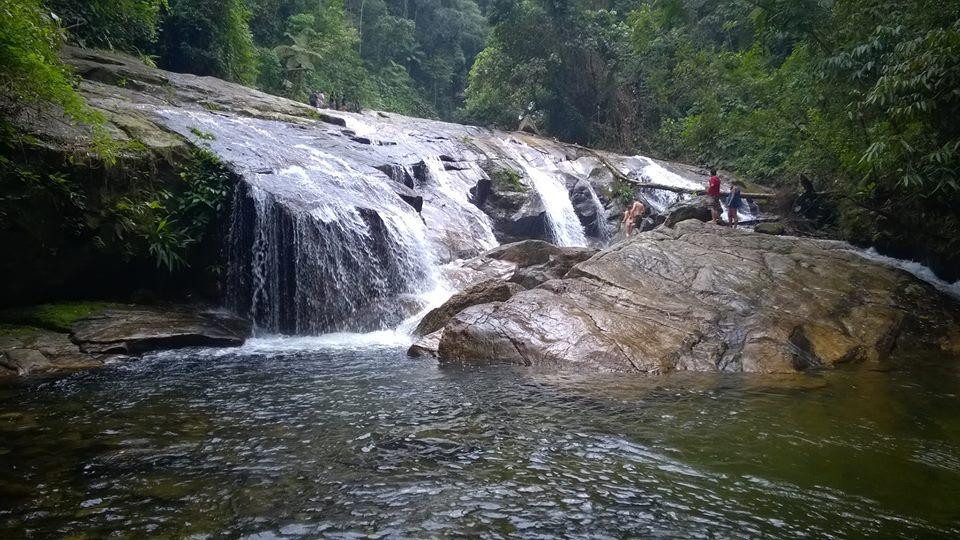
x=139, y=330
x=706, y=298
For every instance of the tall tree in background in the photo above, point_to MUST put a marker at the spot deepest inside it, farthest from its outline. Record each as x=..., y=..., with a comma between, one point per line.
x=321, y=54
x=209, y=37
x=129, y=25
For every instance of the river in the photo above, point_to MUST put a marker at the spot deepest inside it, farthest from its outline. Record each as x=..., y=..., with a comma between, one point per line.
x=345, y=436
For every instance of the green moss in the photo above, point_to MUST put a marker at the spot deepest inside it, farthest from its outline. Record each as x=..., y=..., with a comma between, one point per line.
x=507, y=180
x=202, y=135
x=58, y=317
x=211, y=106
x=17, y=331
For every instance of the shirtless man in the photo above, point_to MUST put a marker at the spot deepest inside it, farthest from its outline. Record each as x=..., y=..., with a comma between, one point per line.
x=633, y=215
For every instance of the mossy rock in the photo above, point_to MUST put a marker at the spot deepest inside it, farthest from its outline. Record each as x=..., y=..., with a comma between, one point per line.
x=775, y=229
x=57, y=317
x=506, y=179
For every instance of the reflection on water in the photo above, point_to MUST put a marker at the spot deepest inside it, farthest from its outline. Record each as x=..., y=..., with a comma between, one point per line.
x=272, y=442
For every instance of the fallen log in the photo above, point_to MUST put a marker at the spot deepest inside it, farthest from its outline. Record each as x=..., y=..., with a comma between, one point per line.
x=675, y=189
x=649, y=185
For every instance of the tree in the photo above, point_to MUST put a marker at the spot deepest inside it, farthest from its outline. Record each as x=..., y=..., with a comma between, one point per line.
x=209, y=37
x=31, y=72
x=129, y=25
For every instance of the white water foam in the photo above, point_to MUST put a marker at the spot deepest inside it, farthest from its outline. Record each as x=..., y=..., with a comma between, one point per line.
x=564, y=224
x=920, y=271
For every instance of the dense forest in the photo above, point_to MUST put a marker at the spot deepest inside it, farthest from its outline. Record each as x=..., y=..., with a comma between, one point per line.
x=857, y=98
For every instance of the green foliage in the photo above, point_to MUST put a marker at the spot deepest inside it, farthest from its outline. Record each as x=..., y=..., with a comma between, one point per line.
x=507, y=179
x=321, y=53
x=202, y=135
x=170, y=223
x=31, y=72
x=209, y=38
x=624, y=193
x=129, y=25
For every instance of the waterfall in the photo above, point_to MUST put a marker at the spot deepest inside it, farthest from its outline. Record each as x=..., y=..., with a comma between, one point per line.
x=317, y=244
x=603, y=232
x=332, y=235
x=565, y=226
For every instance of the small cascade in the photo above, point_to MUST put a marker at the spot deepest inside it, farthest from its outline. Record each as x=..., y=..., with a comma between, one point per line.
x=344, y=269
x=316, y=243
x=451, y=197
x=652, y=172
x=565, y=226
x=600, y=223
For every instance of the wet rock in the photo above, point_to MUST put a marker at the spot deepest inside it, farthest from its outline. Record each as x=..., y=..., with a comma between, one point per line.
x=24, y=361
x=481, y=293
x=26, y=350
x=704, y=298
x=514, y=209
x=775, y=229
x=586, y=208
x=652, y=222
x=426, y=346
x=538, y=261
x=695, y=208
x=139, y=330
x=409, y=196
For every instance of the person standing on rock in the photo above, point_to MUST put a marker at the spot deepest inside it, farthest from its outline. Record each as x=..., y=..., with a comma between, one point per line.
x=713, y=196
x=734, y=203
x=633, y=215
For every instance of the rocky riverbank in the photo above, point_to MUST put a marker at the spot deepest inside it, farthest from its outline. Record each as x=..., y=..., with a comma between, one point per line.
x=702, y=298
x=66, y=337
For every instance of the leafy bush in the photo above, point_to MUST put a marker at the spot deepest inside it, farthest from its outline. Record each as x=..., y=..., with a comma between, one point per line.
x=129, y=25
x=31, y=72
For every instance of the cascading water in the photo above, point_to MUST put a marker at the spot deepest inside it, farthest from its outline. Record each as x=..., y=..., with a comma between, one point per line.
x=316, y=244
x=565, y=226
x=600, y=224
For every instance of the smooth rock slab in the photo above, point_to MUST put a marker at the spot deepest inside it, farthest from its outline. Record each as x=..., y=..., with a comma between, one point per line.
x=27, y=350
x=705, y=298
x=140, y=330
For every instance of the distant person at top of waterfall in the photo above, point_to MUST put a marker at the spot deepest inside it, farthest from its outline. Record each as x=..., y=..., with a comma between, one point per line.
x=321, y=100
x=734, y=203
x=713, y=196
x=312, y=98
x=633, y=215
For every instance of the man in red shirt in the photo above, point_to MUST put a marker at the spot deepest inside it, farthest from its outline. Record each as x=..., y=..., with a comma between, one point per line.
x=713, y=196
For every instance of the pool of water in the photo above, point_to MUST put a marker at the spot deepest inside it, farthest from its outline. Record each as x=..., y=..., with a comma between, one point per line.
x=273, y=441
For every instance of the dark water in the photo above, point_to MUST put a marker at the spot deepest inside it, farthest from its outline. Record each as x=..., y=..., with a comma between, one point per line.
x=366, y=442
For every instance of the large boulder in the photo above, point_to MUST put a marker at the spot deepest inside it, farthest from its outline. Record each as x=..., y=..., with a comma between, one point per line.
x=25, y=350
x=538, y=261
x=143, y=329
x=515, y=210
x=491, y=290
x=426, y=346
x=585, y=204
x=705, y=298
x=695, y=208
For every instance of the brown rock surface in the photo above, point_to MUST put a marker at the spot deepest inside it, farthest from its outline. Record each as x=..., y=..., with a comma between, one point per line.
x=706, y=298
x=491, y=290
x=143, y=329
